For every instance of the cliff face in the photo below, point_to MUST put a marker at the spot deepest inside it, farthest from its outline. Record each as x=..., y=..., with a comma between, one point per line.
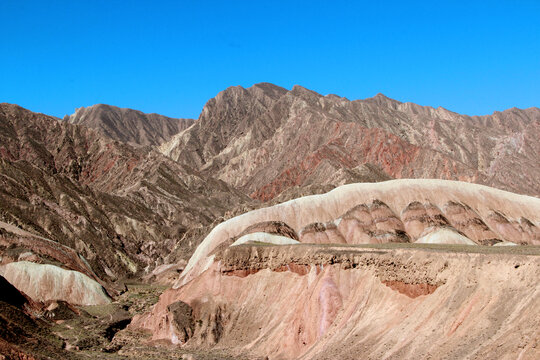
x=393, y=211
x=266, y=140
x=127, y=125
x=292, y=302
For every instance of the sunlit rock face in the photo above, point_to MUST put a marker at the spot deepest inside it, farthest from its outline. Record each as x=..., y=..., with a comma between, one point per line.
x=391, y=211
x=322, y=297
x=444, y=236
x=44, y=282
x=127, y=125
x=267, y=140
x=125, y=209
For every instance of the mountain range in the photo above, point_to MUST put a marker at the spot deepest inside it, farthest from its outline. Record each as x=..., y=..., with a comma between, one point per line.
x=265, y=140
x=107, y=196
x=146, y=183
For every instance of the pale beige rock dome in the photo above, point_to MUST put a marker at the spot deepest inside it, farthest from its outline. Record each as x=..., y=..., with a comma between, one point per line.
x=44, y=282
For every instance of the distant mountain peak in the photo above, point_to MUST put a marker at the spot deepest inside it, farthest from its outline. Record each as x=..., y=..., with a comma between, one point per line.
x=265, y=143
x=382, y=99
x=128, y=125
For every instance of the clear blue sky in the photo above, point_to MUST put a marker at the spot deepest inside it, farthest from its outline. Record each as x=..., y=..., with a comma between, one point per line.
x=170, y=57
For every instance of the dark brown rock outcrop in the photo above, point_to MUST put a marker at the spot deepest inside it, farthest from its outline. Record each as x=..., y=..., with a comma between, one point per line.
x=23, y=335
x=271, y=227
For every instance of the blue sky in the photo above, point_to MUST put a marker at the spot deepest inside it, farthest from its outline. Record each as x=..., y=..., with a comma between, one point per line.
x=170, y=57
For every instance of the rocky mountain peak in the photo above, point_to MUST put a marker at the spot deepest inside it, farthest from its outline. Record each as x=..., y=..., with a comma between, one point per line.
x=128, y=125
x=265, y=140
x=307, y=95
x=270, y=90
x=383, y=100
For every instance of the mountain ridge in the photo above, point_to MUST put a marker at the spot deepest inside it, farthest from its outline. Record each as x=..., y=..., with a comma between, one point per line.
x=431, y=143
x=128, y=125
x=123, y=208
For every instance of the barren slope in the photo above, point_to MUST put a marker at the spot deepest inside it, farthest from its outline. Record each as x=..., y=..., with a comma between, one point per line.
x=288, y=302
x=127, y=125
x=123, y=208
x=265, y=140
x=391, y=211
x=330, y=297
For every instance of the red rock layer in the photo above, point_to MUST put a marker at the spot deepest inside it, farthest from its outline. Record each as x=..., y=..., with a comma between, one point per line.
x=123, y=208
x=411, y=290
x=402, y=304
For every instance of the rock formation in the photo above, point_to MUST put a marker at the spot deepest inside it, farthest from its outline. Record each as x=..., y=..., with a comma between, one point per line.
x=127, y=125
x=23, y=335
x=20, y=245
x=325, y=297
x=292, y=302
x=391, y=211
x=45, y=282
x=404, y=262
x=124, y=209
x=265, y=140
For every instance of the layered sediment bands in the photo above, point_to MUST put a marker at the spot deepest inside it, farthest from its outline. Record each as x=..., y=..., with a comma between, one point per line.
x=417, y=217
x=267, y=140
x=271, y=227
x=373, y=223
x=519, y=229
x=355, y=303
x=321, y=233
x=125, y=209
x=17, y=244
x=466, y=220
x=385, y=212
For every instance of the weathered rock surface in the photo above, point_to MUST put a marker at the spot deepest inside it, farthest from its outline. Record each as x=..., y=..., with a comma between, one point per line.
x=44, y=282
x=22, y=334
x=124, y=209
x=266, y=238
x=392, y=211
x=266, y=140
x=444, y=236
x=20, y=245
x=127, y=125
x=312, y=302
x=327, y=298
x=90, y=200
x=11, y=295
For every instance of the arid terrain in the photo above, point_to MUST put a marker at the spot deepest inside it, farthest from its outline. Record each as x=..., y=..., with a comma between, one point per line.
x=447, y=298
x=281, y=224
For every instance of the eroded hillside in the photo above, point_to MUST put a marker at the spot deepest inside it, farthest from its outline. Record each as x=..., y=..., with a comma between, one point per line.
x=124, y=209
x=281, y=282
x=266, y=139
x=380, y=268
